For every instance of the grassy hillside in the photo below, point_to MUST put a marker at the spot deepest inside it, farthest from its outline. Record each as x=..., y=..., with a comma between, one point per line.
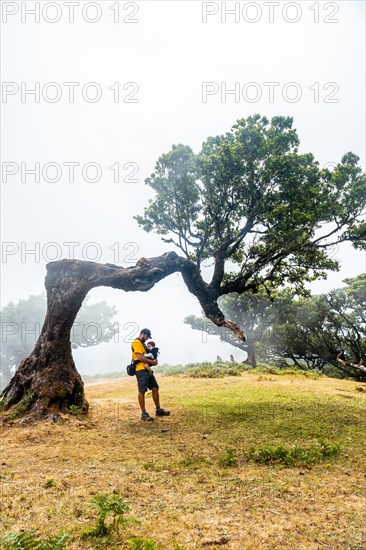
x=247, y=462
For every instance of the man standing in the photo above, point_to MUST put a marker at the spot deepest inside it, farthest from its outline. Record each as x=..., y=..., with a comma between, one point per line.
x=145, y=376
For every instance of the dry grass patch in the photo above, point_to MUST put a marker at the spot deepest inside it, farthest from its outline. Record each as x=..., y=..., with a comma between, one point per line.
x=173, y=475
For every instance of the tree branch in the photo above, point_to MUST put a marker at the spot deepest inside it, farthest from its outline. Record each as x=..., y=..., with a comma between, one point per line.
x=359, y=366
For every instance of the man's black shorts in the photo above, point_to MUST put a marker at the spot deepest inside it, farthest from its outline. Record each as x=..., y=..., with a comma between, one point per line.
x=145, y=380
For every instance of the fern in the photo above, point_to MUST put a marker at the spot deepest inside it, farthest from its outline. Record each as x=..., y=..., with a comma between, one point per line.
x=30, y=540
x=107, y=505
x=142, y=544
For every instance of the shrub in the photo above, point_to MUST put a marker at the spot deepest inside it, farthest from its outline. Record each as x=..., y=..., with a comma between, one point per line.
x=75, y=410
x=263, y=368
x=229, y=459
x=218, y=369
x=294, y=456
x=49, y=483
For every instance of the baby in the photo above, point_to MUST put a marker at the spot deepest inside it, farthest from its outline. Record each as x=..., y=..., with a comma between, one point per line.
x=154, y=351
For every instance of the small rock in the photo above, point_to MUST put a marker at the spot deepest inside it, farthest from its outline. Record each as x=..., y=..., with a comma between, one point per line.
x=24, y=420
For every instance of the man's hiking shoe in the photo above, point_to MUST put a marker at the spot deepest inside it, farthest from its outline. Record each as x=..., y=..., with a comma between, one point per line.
x=162, y=412
x=146, y=416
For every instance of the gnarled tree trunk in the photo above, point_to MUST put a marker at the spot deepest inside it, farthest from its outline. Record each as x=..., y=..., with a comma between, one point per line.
x=47, y=382
x=251, y=355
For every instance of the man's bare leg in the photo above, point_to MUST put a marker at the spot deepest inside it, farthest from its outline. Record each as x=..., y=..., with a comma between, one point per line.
x=141, y=397
x=155, y=396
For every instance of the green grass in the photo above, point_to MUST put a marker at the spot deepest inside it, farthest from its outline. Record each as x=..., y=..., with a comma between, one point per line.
x=268, y=415
x=262, y=460
x=142, y=544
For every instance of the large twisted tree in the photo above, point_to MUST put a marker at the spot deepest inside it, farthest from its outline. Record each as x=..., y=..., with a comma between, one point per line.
x=249, y=205
x=47, y=382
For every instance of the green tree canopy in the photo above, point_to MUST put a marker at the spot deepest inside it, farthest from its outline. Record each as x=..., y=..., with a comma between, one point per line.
x=308, y=331
x=312, y=331
x=252, y=312
x=262, y=213
x=346, y=320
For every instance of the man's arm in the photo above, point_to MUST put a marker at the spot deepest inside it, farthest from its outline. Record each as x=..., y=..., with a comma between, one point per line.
x=144, y=359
